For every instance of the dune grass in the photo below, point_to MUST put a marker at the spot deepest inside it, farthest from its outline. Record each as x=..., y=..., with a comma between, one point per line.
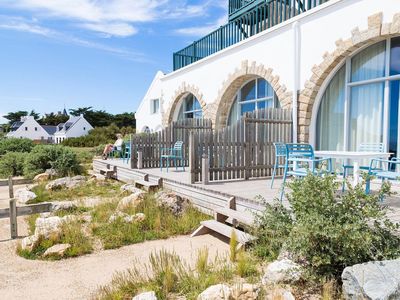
x=159, y=223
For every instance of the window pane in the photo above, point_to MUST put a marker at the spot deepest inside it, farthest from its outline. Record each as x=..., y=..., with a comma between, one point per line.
x=196, y=104
x=261, y=104
x=189, y=103
x=369, y=63
x=198, y=114
x=245, y=107
x=366, y=114
x=189, y=115
x=330, y=122
x=233, y=114
x=249, y=91
x=395, y=57
x=261, y=88
x=394, y=117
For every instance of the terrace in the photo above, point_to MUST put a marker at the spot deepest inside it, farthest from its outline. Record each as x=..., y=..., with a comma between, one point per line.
x=246, y=18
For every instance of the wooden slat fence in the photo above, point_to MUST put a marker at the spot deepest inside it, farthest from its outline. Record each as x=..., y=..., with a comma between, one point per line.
x=244, y=150
x=150, y=144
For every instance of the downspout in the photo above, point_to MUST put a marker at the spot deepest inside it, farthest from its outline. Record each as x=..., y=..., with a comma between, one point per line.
x=296, y=75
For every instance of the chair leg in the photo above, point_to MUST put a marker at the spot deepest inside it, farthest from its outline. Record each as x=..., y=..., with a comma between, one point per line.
x=273, y=174
x=176, y=166
x=284, y=181
x=161, y=164
x=167, y=164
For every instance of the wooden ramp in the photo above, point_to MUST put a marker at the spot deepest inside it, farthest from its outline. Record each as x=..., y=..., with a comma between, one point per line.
x=226, y=221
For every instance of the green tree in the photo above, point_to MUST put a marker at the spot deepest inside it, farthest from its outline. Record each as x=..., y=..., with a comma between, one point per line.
x=80, y=111
x=53, y=119
x=16, y=116
x=125, y=119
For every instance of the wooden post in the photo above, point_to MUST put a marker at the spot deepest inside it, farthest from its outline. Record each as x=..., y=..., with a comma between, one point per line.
x=10, y=187
x=13, y=219
x=205, y=167
x=132, y=160
x=140, y=160
x=191, y=158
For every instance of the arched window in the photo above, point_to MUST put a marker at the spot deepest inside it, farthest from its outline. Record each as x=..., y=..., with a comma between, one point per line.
x=255, y=94
x=190, y=108
x=361, y=102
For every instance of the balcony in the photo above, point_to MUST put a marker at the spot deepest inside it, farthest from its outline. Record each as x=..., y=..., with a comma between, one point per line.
x=247, y=18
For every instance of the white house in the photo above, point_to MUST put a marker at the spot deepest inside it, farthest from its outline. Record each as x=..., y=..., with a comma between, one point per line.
x=335, y=64
x=29, y=128
x=74, y=127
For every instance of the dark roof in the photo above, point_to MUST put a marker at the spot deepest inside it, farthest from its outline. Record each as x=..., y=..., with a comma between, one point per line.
x=50, y=129
x=17, y=124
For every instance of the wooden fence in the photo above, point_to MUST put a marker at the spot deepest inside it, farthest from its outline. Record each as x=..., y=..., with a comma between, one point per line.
x=241, y=151
x=147, y=147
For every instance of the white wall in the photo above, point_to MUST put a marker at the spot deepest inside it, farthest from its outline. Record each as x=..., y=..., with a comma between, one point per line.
x=273, y=48
x=80, y=128
x=30, y=133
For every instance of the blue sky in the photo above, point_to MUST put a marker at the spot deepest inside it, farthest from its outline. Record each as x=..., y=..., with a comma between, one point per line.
x=100, y=53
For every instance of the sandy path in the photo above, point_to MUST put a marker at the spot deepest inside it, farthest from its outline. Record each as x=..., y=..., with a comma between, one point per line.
x=78, y=278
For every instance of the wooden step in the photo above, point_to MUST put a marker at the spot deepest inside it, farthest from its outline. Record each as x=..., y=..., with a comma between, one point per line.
x=234, y=216
x=146, y=185
x=225, y=230
x=107, y=172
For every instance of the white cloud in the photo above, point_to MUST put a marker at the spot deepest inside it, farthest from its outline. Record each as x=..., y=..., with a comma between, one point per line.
x=202, y=30
x=112, y=29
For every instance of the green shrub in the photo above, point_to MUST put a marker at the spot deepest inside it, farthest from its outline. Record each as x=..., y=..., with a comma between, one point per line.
x=43, y=157
x=12, y=164
x=15, y=145
x=330, y=230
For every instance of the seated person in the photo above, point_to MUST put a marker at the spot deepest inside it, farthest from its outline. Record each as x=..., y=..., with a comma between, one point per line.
x=116, y=146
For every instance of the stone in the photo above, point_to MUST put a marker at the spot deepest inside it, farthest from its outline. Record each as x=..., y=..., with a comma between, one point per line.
x=130, y=188
x=29, y=242
x=245, y=291
x=58, y=250
x=139, y=217
x=146, y=296
x=287, y=296
x=173, y=202
x=131, y=201
x=47, y=227
x=377, y=280
x=41, y=177
x=63, y=205
x=24, y=195
x=87, y=218
x=45, y=215
x=281, y=271
x=51, y=172
x=66, y=182
x=216, y=292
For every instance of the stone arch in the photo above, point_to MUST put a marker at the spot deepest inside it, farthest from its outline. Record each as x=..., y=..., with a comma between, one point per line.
x=219, y=110
x=183, y=90
x=377, y=31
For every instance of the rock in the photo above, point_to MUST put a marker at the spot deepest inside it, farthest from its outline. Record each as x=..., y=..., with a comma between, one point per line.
x=48, y=226
x=58, y=249
x=173, y=202
x=145, y=296
x=97, y=177
x=132, y=200
x=87, y=218
x=23, y=195
x=245, y=291
x=282, y=271
x=41, y=177
x=216, y=292
x=45, y=215
x=288, y=296
x=139, y=217
x=130, y=188
x=51, y=172
x=66, y=182
x=29, y=242
x=373, y=280
x=63, y=205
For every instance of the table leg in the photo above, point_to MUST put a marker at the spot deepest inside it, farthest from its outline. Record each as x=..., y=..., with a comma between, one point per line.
x=356, y=174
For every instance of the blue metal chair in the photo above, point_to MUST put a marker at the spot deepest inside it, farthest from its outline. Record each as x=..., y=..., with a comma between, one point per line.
x=127, y=153
x=280, y=154
x=175, y=153
x=117, y=152
x=297, y=154
x=363, y=147
x=391, y=173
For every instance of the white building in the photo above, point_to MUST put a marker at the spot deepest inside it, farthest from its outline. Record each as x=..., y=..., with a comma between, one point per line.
x=335, y=64
x=29, y=128
x=74, y=127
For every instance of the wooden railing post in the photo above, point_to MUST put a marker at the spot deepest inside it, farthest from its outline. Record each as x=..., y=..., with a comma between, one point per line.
x=133, y=157
x=205, y=168
x=191, y=158
x=140, y=160
x=13, y=219
x=10, y=187
x=247, y=150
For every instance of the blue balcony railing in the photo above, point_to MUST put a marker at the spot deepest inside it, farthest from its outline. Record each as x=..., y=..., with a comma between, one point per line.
x=265, y=15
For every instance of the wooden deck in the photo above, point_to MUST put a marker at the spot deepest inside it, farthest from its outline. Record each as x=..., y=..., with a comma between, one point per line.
x=250, y=194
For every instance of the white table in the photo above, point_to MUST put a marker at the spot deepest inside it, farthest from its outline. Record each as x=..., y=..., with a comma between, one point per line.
x=353, y=155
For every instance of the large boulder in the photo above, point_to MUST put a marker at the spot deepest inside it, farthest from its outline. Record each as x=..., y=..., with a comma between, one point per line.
x=41, y=177
x=47, y=227
x=132, y=200
x=58, y=250
x=29, y=242
x=377, y=280
x=66, y=182
x=281, y=271
x=216, y=292
x=145, y=296
x=171, y=201
x=24, y=195
x=245, y=291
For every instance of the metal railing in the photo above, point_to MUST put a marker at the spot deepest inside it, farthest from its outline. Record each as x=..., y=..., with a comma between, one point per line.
x=265, y=15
